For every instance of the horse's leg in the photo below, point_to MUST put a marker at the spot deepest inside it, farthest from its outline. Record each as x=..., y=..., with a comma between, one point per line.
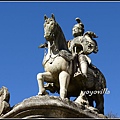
x=91, y=100
x=100, y=103
x=41, y=77
x=64, y=79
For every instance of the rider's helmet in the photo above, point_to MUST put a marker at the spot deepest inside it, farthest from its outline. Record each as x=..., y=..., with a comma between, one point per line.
x=78, y=29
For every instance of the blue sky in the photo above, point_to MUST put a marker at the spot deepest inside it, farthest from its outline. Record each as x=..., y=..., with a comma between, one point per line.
x=21, y=32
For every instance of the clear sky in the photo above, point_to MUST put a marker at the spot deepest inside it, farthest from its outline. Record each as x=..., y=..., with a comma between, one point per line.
x=21, y=32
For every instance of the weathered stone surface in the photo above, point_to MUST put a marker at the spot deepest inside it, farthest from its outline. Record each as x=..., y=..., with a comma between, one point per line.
x=4, y=100
x=67, y=64
x=50, y=107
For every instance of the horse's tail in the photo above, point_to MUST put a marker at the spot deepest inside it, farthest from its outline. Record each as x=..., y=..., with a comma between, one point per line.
x=99, y=78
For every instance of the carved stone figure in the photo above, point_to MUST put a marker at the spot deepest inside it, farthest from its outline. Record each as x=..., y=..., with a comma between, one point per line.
x=4, y=101
x=60, y=66
x=81, y=46
x=55, y=72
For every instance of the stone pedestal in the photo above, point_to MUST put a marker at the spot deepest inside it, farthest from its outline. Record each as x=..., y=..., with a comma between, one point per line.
x=50, y=107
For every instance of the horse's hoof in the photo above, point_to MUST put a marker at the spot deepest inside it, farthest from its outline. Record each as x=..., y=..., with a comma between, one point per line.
x=40, y=94
x=66, y=99
x=92, y=108
x=44, y=93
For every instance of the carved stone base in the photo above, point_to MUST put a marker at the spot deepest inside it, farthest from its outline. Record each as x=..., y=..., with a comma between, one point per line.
x=50, y=107
x=4, y=100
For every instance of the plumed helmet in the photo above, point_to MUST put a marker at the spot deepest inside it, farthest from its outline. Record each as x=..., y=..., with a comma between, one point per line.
x=80, y=26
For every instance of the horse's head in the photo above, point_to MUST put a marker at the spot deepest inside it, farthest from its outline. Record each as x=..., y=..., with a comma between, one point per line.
x=50, y=27
x=53, y=32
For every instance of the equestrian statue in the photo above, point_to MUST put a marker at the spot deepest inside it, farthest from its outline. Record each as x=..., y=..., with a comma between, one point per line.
x=68, y=68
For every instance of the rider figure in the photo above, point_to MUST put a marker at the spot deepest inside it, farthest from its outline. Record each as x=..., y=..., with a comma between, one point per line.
x=81, y=46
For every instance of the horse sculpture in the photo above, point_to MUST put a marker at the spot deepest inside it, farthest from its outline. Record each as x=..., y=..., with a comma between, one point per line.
x=59, y=65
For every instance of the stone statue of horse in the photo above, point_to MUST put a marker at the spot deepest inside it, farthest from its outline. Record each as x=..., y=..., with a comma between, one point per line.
x=59, y=65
